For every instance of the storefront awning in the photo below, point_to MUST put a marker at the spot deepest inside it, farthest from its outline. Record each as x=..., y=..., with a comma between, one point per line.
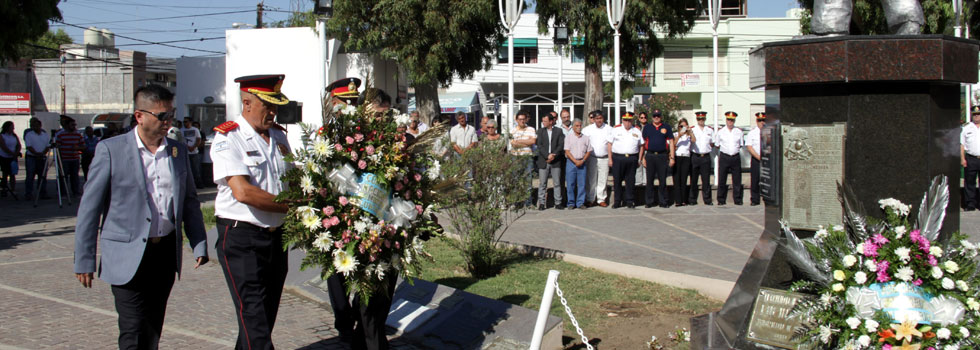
x=452, y=102
x=522, y=42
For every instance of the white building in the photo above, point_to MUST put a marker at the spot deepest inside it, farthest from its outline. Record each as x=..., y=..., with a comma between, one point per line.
x=685, y=69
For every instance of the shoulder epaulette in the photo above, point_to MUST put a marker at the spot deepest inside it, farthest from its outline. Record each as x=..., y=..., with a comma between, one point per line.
x=225, y=127
x=279, y=127
x=618, y=125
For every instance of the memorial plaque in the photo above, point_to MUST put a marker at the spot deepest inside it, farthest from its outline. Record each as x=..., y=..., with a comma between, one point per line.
x=770, y=323
x=769, y=162
x=813, y=163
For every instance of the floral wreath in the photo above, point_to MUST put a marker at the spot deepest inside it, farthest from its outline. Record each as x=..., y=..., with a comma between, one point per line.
x=363, y=204
x=885, y=284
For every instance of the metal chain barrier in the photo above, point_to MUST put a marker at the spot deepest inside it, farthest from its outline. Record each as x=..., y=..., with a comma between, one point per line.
x=568, y=310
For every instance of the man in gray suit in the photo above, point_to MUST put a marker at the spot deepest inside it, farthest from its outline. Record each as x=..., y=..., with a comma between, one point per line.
x=550, y=160
x=139, y=199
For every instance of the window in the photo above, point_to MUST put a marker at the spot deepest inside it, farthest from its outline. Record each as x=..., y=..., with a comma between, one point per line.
x=677, y=63
x=525, y=51
x=208, y=115
x=578, y=56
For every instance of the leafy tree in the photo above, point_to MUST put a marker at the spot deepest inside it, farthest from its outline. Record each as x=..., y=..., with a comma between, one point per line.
x=638, y=44
x=669, y=105
x=52, y=41
x=868, y=17
x=435, y=40
x=295, y=19
x=23, y=21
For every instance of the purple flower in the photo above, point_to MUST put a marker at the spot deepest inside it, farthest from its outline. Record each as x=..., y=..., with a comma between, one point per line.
x=879, y=239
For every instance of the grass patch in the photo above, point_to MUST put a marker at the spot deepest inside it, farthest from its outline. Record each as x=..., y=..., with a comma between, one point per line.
x=208, y=212
x=591, y=294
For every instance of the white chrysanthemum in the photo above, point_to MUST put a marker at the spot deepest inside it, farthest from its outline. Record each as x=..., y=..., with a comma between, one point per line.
x=901, y=208
x=306, y=184
x=311, y=222
x=904, y=273
x=350, y=110
x=323, y=242
x=305, y=211
x=343, y=262
x=379, y=270
x=972, y=304
x=322, y=148
x=313, y=167
x=948, y=283
x=943, y=333
x=870, y=265
x=433, y=171
x=967, y=244
x=825, y=333
x=821, y=234
x=937, y=273
x=826, y=298
x=871, y=325
x=859, y=248
x=837, y=287
x=951, y=347
x=402, y=119
x=951, y=266
x=851, y=345
x=360, y=226
x=936, y=251
x=961, y=285
x=900, y=231
x=864, y=340
x=839, y=227
x=853, y=322
x=964, y=332
x=839, y=275
x=903, y=253
x=860, y=277
x=849, y=260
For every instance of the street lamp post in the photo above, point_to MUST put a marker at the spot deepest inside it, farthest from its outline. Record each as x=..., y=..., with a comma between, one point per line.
x=561, y=38
x=614, y=11
x=958, y=32
x=509, y=16
x=714, y=13
x=323, y=9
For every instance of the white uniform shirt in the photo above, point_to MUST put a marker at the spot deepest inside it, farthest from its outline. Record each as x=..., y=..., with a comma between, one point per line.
x=462, y=137
x=970, y=139
x=754, y=140
x=704, y=137
x=191, y=135
x=598, y=138
x=39, y=141
x=242, y=151
x=729, y=141
x=626, y=141
x=683, y=146
x=159, y=185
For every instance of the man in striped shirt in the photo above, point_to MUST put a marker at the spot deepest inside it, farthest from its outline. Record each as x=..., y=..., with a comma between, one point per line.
x=70, y=146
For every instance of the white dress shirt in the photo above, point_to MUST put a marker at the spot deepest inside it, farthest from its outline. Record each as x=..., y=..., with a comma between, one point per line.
x=462, y=137
x=704, y=137
x=598, y=138
x=754, y=139
x=970, y=139
x=38, y=141
x=626, y=141
x=729, y=141
x=159, y=185
x=683, y=146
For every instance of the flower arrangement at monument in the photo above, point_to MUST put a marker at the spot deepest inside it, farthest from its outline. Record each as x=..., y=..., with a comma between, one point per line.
x=361, y=198
x=888, y=284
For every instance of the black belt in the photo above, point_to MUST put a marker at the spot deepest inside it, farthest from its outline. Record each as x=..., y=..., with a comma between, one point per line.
x=31, y=156
x=730, y=155
x=700, y=155
x=244, y=224
x=625, y=155
x=656, y=152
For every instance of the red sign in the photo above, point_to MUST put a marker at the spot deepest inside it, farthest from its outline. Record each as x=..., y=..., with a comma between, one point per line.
x=15, y=103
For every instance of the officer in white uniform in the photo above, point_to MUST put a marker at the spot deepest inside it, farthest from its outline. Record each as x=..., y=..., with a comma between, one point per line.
x=729, y=142
x=754, y=145
x=624, y=146
x=970, y=156
x=248, y=163
x=701, y=143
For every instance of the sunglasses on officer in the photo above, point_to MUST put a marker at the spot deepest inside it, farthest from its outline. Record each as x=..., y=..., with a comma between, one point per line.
x=162, y=116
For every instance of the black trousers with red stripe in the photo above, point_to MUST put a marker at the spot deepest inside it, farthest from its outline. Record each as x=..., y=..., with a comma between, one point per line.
x=254, y=264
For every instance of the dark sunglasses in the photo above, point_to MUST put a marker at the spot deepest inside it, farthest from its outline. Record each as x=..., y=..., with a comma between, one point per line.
x=163, y=116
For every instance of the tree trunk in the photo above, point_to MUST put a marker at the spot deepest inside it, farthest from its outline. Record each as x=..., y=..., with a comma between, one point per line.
x=427, y=101
x=593, y=87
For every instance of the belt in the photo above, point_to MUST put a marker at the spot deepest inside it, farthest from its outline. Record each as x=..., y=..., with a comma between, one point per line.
x=156, y=240
x=245, y=224
x=656, y=152
x=730, y=155
x=700, y=155
x=627, y=155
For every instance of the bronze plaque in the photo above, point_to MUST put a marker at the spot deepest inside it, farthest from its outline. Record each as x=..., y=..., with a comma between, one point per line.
x=770, y=323
x=813, y=164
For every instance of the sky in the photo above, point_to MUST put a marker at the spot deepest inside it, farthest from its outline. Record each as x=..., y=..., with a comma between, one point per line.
x=178, y=28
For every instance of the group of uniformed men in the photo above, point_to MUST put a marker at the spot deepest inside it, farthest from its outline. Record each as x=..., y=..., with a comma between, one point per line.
x=657, y=147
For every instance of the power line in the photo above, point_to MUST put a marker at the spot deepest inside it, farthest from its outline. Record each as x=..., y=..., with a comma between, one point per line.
x=144, y=66
x=167, y=6
x=174, y=41
x=151, y=42
x=173, y=17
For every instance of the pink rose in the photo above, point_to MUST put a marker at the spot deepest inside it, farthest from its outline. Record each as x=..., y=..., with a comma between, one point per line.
x=399, y=186
x=342, y=200
x=418, y=177
x=353, y=155
x=361, y=164
x=338, y=147
x=369, y=149
x=419, y=209
x=358, y=137
x=328, y=210
x=418, y=194
x=326, y=223
x=350, y=140
x=334, y=221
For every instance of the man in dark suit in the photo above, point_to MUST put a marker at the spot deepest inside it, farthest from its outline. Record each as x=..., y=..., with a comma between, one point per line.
x=138, y=202
x=550, y=158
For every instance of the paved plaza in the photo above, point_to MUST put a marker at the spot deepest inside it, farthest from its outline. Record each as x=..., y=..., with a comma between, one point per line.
x=45, y=306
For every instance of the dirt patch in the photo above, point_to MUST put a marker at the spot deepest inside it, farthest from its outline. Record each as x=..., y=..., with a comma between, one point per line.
x=629, y=329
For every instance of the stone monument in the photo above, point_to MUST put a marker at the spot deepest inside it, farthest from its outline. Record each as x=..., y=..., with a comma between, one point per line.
x=878, y=114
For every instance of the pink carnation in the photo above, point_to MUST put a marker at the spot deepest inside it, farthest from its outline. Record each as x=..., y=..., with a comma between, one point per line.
x=328, y=210
x=326, y=223
x=886, y=347
x=369, y=149
x=918, y=282
x=358, y=137
x=338, y=244
x=334, y=220
x=879, y=239
x=361, y=164
x=338, y=147
x=349, y=140
x=418, y=177
x=398, y=245
x=870, y=249
x=353, y=155
x=342, y=200
x=418, y=194
x=932, y=261
x=883, y=276
x=419, y=209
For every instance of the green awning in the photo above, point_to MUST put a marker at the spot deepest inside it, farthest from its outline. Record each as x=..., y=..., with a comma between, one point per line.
x=578, y=41
x=522, y=42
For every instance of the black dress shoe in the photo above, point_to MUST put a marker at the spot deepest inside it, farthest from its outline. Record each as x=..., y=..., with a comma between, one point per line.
x=721, y=203
x=664, y=206
x=560, y=207
x=631, y=205
x=694, y=202
x=617, y=205
x=754, y=204
x=541, y=207
x=648, y=206
x=679, y=204
x=738, y=203
x=969, y=209
x=709, y=203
